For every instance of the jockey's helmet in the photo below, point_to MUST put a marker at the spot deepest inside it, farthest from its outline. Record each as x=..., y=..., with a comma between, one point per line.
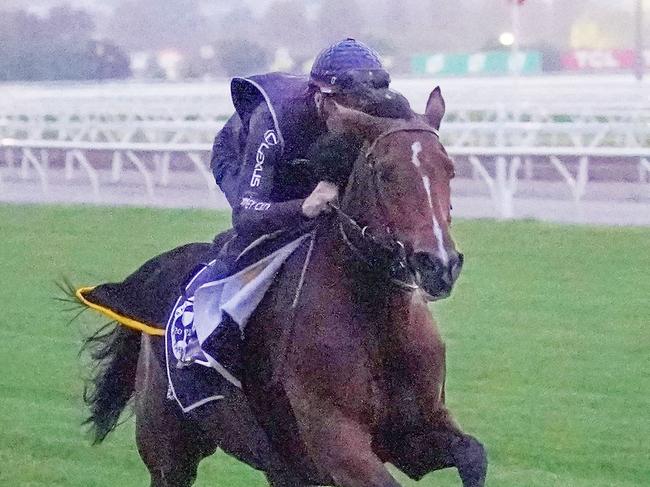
x=345, y=64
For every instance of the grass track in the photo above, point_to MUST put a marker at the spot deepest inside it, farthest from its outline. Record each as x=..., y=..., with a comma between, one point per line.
x=547, y=338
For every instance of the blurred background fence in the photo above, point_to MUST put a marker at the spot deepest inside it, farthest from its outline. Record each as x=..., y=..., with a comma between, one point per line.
x=548, y=112
x=566, y=147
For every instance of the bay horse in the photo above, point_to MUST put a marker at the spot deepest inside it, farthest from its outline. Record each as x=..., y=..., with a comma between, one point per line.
x=344, y=367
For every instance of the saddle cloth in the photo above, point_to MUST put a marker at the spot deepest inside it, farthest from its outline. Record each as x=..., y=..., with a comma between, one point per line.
x=204, y=330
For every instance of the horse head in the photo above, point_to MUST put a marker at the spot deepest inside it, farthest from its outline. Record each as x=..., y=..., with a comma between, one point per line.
x=399, y=187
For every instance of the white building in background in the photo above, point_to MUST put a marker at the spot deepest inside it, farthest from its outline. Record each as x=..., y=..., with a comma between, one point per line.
x=170, y=61
x=282, y=60
x=162, y=64
x=139, y=62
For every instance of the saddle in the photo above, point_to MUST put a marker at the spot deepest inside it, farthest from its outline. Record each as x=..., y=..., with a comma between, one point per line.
x=145, y=298
x=204, y=304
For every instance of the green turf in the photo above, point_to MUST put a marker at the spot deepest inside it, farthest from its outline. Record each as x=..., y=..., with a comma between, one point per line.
x=547, y=336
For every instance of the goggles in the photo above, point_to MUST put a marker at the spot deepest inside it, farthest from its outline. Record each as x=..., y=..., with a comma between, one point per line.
x=354, y=79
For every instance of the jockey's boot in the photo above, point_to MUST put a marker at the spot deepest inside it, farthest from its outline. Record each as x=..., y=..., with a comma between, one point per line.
x=225, y=345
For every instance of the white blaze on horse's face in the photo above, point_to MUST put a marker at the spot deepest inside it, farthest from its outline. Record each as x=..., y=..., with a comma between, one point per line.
x=443, y=255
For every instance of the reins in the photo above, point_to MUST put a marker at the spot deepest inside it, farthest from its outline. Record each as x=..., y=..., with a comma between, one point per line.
x=397, y=251
x=288, y=333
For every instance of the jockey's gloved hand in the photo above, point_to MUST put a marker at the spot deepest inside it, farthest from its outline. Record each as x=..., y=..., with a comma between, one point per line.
x=318, y=201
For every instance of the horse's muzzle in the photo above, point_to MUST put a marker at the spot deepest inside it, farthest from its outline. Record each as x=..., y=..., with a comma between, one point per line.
x=436, y=277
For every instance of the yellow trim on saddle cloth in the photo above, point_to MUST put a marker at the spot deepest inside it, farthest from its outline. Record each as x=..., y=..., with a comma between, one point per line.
x=123, y=320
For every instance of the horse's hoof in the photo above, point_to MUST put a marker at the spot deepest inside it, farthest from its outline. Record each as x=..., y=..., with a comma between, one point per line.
x=472, y=462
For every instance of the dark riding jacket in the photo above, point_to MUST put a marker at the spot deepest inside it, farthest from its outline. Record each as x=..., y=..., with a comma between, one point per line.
x=257, y=158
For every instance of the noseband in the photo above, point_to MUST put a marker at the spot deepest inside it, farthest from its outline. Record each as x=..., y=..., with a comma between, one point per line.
x=393, y=258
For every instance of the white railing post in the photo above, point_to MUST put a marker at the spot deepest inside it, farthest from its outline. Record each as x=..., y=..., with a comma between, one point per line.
x=24, y=167
x=163, y=162
x=68, y=170
x=148, y=181
x=505, y=204
x=203, y=170
x=90, y=171
x=577, y=187
x=506, y=182
x=528, y=168
x=479, y=169
x=513, y=174
x=582, y=177
x=116, y=167
x=10, y=157
x=644, y=169
x=45, y=159
x=30, y=159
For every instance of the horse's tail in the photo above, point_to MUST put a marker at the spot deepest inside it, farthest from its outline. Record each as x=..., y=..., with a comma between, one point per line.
x=148, y=294
x=114, y=350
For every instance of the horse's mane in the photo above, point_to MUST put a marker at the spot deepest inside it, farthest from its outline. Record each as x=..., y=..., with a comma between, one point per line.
x=333, y=155
x=382, y=102
x=387, y=103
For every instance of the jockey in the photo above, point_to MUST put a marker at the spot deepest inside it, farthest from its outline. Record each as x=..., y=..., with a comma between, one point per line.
x=259, y=158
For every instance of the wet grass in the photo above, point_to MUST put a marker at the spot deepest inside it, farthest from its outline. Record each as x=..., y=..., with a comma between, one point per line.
x=547, y=339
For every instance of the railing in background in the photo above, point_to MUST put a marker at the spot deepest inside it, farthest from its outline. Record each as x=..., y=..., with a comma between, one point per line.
x=500, y=130
x=153, y=163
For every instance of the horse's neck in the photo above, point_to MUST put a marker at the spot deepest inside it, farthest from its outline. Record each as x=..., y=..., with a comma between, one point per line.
x=371, y=290
x=360, y=308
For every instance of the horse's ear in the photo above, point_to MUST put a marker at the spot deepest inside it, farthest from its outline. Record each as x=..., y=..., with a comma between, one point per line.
x=435, y=108
x=344, y=120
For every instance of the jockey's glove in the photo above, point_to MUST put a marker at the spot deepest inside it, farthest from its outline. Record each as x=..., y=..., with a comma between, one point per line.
x=318, y=201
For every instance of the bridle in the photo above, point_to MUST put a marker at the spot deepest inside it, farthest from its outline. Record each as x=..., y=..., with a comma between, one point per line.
x=395, y=264
x=369, y=248
x=412, y=128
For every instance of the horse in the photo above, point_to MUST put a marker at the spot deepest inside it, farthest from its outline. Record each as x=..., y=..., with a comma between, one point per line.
x=344, y=367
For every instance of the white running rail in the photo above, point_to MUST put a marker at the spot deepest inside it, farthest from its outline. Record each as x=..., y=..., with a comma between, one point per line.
x=498, y=168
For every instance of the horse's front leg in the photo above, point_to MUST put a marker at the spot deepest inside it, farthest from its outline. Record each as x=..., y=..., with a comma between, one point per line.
x=339, y=446
x=329, y=387
x=420, y=353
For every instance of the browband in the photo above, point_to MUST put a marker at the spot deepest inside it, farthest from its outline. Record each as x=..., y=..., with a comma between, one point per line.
x=393, y=130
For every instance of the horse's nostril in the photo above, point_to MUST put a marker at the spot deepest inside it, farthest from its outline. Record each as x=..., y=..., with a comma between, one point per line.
x=455, y=266
x=437, y=276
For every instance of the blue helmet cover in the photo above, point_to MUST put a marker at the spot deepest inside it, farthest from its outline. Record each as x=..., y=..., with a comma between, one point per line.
x=341, y=57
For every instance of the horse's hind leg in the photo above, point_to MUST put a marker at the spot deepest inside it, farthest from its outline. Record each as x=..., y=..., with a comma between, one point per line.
x=168, y=445
x=170, y=457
